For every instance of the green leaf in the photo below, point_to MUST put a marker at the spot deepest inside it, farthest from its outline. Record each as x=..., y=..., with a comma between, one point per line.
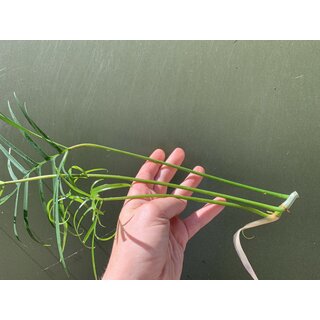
x=67, y=213
x=82, y=217
x=7, y=120
x=100, y=223
x=13, y=124
x=41, y=190
x=7, y=197
x=83, y=203
x=26, y=212
x=26, y=158
x=107, y=238
x=91, y=229
x=16, y=163
x=35, y=126
x=96, y=169
x=62, y=191
x=55, y=199
x=75, y=188
x=15, y=211
x=62, y=168
x=27, y=136
x=25, y=205
x=73, y=179
x=64, y=215
x=49, y=208
x=83, y=172
x=93, y=260
x=95, y=191
x=94, y=183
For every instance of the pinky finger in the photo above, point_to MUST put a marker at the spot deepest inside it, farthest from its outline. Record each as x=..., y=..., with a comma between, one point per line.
x=198, y=219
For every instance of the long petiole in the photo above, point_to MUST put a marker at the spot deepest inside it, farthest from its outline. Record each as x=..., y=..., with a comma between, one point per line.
x=172, y=185
x=92, y=145
x=196, y=199
x=178, y=186
x=205, y=175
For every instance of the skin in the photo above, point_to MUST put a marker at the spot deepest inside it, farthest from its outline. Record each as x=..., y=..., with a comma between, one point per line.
x=151, y=237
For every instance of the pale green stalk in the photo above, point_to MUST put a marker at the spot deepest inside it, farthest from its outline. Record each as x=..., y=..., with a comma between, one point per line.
x=172, y=185
x=205, y=175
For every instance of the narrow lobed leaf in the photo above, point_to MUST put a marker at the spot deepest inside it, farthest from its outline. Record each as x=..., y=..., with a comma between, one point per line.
x=41, y=190
x=7, y=197
x=16, y=163
x=25, y=133
x=105, y=187
x=26, y=213
x=25, y=157
x=93, y=259
x=15, y=213
x=55, y=200
x=34, y=125
x=16, y=204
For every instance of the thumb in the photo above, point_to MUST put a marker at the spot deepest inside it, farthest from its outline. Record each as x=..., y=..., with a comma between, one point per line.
x=169, y=207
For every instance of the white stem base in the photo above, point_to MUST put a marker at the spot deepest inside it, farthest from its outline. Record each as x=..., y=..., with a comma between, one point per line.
x=291, y=199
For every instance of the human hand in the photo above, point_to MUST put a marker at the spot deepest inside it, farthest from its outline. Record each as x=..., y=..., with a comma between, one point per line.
x=151, y=237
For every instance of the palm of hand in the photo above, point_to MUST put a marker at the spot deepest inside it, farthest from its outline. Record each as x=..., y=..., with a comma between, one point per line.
x=151, y=238
x=160, y=242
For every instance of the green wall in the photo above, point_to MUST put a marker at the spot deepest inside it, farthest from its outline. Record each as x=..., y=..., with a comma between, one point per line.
x=245, y=110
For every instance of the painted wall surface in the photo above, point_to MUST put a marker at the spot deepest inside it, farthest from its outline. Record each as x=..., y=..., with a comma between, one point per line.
x=246, y=111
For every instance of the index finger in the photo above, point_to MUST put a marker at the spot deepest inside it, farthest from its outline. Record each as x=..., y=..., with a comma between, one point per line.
x=148, y=171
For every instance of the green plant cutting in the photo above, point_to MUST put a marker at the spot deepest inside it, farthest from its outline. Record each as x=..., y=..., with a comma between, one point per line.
x=70, y=206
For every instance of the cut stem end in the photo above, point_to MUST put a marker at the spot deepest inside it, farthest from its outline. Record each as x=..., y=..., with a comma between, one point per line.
x=289, y=202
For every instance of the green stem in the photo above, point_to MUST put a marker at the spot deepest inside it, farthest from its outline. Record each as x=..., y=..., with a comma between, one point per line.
x=205, y=175
x=178, y=186
x=92, y=145
x=172, y=185
x=196, y=199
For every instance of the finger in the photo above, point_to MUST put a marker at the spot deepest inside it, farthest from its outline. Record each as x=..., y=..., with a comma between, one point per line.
x=149, y=169
x=165, y=173
x=167, y=207
x=192, y=180
x=198, y=219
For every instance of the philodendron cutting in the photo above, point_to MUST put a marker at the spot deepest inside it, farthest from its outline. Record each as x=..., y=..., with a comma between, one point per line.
x=70, y=205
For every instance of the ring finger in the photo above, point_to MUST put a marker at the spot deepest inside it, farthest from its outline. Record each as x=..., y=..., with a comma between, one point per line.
x=192, y=180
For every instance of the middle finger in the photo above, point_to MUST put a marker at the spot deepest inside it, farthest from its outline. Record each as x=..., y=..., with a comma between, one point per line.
x=165, y=173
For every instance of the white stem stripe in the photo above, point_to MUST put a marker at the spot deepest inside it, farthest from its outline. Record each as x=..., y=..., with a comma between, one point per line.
x=237, y=243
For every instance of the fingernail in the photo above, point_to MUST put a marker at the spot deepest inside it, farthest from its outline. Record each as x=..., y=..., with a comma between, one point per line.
x=178, y=148
x=199, y=169
x=220, y=199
